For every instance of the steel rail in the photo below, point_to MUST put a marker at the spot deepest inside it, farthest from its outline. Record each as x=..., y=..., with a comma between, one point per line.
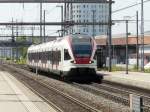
x=126, y=93
x=42, y=97
x=114, y=97
x=125, y=100
x=84, y=105
x=117, y=98
x=50, y=103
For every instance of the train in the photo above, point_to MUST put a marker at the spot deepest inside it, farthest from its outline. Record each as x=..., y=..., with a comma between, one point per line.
x=70, y=57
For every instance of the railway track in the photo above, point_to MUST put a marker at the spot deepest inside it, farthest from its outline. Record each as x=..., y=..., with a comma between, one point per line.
x=103, y=92
x=123, y=91
x=52, y=95
x=113, y=93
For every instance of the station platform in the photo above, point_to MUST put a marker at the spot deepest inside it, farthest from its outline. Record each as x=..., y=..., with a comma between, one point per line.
x=15, y=97
x=136, y=79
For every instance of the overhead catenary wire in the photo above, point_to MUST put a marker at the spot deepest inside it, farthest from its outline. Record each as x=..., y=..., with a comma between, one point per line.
x=50, y=34
x=129, y=6
x=131, y=21
x=50, y=10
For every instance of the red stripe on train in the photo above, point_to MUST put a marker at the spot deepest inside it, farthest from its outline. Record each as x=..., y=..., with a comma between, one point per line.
x=82, y=60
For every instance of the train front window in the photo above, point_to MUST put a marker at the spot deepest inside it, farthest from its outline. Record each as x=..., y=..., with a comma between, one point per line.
x=66, y=55
x=82, y=50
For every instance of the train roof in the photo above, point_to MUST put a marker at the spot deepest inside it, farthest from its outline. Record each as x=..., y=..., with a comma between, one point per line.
x=51, y=43
x=80, y=35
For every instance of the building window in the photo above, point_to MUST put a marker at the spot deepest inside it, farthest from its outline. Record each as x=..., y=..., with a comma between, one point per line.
x=79, y=30
x=99, y=6
x=87, y=30
x=84, y=30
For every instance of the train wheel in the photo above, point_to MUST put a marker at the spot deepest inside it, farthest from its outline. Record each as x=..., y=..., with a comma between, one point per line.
x=65, y=79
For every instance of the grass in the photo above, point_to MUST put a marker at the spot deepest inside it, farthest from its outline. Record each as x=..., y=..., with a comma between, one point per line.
x=116, y=68
x=17, y=61
x=22, y=61
x=147, y=70
x=102, y=69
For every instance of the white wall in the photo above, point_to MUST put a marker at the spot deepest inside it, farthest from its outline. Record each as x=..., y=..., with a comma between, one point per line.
x=83, y=13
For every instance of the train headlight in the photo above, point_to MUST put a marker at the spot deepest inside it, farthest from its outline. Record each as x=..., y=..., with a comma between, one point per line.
x=73, y=62
x=91, y=61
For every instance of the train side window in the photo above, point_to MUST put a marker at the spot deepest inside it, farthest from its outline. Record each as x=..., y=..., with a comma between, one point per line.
x=66, y=55
x=46, y=56
x=50, y=55
x=29, y=56
x=59, y=55
x=37, y=56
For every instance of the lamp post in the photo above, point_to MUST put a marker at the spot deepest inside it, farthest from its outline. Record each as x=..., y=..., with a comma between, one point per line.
x=142, y=36
x=110, y=36
x=62, y=19
x=93, y=11
x=137, y=44
x=127, y=55
x=13, y=39
x=126, y=18
x=41, y=21
x=44, y=25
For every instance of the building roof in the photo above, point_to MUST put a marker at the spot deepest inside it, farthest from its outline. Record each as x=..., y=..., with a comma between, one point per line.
x=132, y=40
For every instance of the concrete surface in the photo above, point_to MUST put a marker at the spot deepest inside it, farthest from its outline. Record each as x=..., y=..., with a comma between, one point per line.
x=15, y=97
x=137, y=79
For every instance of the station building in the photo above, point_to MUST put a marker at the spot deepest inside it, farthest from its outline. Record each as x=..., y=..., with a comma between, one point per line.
x=89, y=12
x=5, y=52
x=119, y=50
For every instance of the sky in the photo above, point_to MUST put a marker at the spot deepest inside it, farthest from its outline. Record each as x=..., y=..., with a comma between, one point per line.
x=120, y=28
x=30, y=13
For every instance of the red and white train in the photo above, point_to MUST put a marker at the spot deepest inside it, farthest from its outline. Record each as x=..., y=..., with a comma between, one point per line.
x=71, y=56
